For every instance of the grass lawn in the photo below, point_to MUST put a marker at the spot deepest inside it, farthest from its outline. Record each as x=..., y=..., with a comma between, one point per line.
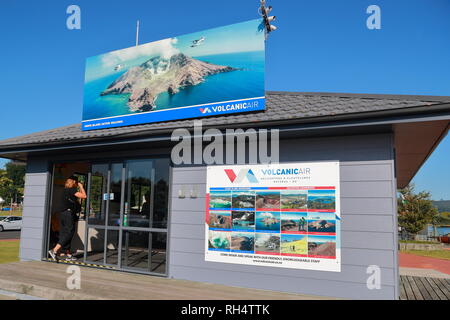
x=420, y=242
x=438, y=254
x=9, y=251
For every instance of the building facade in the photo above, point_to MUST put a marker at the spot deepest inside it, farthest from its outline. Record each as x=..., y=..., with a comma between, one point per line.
x=379, y=141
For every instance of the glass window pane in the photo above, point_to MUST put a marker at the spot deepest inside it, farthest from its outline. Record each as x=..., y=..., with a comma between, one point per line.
x=115, y=193
x=135, y=253
x=112, y=247
x=161, y=194
x=98, y=189
x=159, y=254
x=82, y=178
x=138, y=206
x=95, y=245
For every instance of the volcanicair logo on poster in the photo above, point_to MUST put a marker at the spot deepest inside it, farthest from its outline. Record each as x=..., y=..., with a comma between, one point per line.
x=281, y=215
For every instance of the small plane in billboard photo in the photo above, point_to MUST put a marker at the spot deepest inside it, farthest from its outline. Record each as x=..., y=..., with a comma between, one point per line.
x=197, y=42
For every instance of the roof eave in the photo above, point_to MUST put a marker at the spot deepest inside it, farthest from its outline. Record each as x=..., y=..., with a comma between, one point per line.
x=342, y=120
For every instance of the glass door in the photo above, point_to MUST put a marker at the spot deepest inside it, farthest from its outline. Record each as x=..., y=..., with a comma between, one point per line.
x=144, y=223
x=95, y=233
x=103, y=219
x=127, y=215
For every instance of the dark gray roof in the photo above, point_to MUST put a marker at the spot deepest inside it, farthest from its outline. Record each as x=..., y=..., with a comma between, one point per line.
x=281, y=107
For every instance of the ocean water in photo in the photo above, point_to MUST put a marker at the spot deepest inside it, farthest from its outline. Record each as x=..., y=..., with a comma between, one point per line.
x=247, y=82
x=261, y=225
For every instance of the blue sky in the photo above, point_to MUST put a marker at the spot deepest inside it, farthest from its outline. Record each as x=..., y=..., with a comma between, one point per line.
x=321, y=238
x=215, y=41
x=320, y=45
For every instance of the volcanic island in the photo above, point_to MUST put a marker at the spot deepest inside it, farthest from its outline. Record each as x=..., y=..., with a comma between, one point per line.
x=157, y=75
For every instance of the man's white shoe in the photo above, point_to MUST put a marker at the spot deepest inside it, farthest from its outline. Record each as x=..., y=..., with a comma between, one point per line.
x=52, y=254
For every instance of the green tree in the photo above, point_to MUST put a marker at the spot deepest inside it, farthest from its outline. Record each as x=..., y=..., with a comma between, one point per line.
x=415, y=211
x=12, y=181
x=6, y=187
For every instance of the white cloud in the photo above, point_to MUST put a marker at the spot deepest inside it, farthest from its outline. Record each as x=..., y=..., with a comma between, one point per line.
x=267, y=215
x=163, y=48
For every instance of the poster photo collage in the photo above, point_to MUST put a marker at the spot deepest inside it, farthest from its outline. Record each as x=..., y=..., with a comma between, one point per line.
x=297, y=221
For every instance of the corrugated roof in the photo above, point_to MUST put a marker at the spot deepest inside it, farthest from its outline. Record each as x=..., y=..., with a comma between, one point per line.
x=280, y=107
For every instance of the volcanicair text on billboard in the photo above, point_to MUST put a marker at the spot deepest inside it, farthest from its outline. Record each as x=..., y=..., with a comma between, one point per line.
x=211, y=72
x=279, y=215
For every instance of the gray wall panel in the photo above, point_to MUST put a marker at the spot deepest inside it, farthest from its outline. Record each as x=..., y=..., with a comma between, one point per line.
x=29, y=254
x=369, y=240
x=368, y=172
x=349, y=239
x=34, y=201
x=32, y=233
x=186, y=187
x=189, y=204
x=371, y=223
x=351, y=222
x=34, y=179
x=34, y=191
x=349, y=273
x=324, y=288
x=32, y=222
x=367, y=228
x=30, y=243
x=188, y=231
x=34, y=209
x=367, y=206
x=367, y=189
x=366, y=257
x=189, y=176
x=368, y=232
x=356, y=257
x=362, y=222
x=35, y=212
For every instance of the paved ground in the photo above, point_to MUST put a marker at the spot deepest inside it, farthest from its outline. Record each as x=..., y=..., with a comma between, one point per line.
x=420, y=272
x=48, y=280
x=9, y=234
x=413, y=261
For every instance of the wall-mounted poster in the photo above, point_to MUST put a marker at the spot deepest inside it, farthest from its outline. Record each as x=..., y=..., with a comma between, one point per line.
x=212, y=72
x=278, y=215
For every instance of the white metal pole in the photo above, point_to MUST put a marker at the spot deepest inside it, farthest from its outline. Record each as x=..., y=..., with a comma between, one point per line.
x=137, y=33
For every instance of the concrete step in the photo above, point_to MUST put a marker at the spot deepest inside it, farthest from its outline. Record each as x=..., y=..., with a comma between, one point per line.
x=48, y=280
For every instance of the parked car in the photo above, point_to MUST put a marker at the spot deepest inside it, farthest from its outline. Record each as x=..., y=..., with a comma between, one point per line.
x=11, y=223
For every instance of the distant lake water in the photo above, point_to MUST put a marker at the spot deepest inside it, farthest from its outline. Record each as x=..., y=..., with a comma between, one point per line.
x=245, y=83
x=440, y=230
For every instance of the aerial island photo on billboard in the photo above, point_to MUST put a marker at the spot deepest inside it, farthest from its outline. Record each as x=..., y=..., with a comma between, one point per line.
x=212, y=72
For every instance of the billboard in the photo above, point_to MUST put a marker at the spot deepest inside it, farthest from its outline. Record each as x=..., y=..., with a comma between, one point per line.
x=212, y=72
x=276, y=215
